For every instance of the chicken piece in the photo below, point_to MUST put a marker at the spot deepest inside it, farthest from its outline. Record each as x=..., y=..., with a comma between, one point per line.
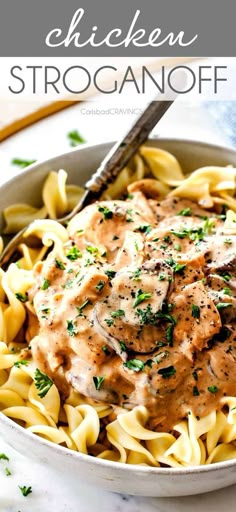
x=141, y=204
x=82, y=376
x=190, y=271
x=104, y=224
x=172, y=206
x=221, y=256
x=132, y=251
x=222, y=293
x=222, y=362
x=197, y=319
x=173, y=238
x=216, y=283
x=225, y=304
x=127, y=317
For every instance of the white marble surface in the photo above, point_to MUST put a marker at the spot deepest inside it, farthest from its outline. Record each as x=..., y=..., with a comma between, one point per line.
x=54, y=491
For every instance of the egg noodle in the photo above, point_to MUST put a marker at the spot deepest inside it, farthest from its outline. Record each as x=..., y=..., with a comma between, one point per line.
x=80, y=423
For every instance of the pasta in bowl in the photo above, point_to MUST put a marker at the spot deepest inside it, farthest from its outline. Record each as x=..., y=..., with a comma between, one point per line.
x=118, y=330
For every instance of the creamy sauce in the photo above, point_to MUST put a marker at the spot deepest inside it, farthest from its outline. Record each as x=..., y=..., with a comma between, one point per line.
x=140, y=308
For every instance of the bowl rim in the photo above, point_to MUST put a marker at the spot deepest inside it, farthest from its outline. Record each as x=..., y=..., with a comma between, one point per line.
x=89, y=145
x=78, y=456
x=54, y=448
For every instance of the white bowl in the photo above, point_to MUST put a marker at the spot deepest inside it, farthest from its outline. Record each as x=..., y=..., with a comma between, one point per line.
x=113, y=476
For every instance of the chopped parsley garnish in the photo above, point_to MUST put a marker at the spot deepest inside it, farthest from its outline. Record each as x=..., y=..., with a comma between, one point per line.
x=169, y=334
x=195, y=311
x=186, y=212
x=147, y=317
x=109, y=322
x=136, y=275
x=117, y=313
x=228, y=241
x=197, y=234
x=73, y=254
x=98, y=382
x=196, y=391
x=3, y=456
x=146, y=228
x=110, y=274
x=227, y=291
x=165, y=317
x=100, y=285
x=213, y=389
x=209, y=224
x=75, y=138
x=195, y=375
x=59, y=264
x=42, y=382
x=155, y=239
x=106, y=350
x=92, y=250
x=180, y=234
x=68, y=284
x=20, y=363
x=141, y=297
x=122, y=346
x=134, y=364
x=177, y=267
x=222, y=305
x=167, y=239
x=107, y=214
x=21, y=297
x=161, y=344
x=226, y=276
x=7, y=472
x=89, y=262
x=177, y=247
x=25, y=491
x=167, y=372
x=45, y=285
x=71, y=329
x=19, y=162
x=129, y=212
x=162, y=276
x=81, y=308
